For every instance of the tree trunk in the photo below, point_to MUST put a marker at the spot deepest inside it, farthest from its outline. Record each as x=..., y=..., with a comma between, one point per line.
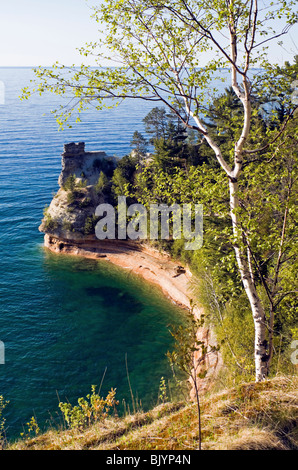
x=258, y=313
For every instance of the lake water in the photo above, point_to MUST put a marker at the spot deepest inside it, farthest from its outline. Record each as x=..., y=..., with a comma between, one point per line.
x=66, y=321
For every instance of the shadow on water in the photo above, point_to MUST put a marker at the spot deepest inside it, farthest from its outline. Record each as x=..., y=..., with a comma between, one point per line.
x=115, y=297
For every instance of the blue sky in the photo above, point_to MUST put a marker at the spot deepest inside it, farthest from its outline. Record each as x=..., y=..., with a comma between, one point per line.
x=40, y=32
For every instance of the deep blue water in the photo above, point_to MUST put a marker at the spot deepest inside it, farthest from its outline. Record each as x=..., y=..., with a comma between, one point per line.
x=65, y=320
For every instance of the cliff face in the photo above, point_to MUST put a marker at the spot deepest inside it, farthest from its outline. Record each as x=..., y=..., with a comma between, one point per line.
x=84, y=165
x=71, y=212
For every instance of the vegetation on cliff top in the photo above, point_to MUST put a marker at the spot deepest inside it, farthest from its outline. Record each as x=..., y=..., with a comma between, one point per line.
x=249, y=416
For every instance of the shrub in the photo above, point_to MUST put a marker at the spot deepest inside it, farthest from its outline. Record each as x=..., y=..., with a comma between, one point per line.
x=82, y=183
x=67, y=226
x=85, y=203
x=89, y=410
x=89, y=227
x=50, y=223
x=45, y=211
x=71, y=197
x=102, y=183
x=33, y=428
x=70, y=183
x=3, y=404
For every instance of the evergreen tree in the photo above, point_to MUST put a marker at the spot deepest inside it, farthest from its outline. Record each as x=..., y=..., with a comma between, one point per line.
x=156, y=123
x=102, y=183
x=139, y=144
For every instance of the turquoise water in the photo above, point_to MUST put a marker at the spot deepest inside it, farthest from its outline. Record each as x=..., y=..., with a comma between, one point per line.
x=66, y=321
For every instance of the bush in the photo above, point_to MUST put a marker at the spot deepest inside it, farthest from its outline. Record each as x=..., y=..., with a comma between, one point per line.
x=3, y=404
x=70, y=183
x=89, y=410
x=102, y=183
x=85, y=203
x=67, y=226
x=74, y=195
x=50, y=223
x=89, y=227
x=71, y=197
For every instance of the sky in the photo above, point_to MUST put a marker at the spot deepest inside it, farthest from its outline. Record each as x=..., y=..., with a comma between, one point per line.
x=41, y=32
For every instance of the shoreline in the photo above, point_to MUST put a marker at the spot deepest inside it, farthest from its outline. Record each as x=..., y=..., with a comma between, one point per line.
x=150, y=264
x=155, y=267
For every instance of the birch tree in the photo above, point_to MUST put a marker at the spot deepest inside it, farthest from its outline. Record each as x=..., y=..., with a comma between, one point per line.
x=170, y=51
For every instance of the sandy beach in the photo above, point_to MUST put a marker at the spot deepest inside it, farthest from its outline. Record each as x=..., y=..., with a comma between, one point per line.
x=154, y=266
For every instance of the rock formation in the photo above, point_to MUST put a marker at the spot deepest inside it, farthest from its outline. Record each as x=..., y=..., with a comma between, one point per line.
x=71, y=212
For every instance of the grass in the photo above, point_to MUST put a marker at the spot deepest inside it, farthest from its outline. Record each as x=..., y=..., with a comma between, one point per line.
x=251, y=416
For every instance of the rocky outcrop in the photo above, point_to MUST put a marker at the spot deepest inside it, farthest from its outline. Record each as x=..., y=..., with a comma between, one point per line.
x=71, y=212
x=84, y=165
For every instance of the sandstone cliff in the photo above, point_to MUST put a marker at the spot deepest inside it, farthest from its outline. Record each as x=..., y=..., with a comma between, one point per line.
x=71, y=212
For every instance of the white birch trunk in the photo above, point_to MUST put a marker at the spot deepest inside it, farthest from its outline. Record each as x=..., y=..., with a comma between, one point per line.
x=243, y=260
x=258, y=313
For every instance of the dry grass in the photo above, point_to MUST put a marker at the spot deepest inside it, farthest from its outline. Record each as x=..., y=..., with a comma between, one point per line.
x=251, y=417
